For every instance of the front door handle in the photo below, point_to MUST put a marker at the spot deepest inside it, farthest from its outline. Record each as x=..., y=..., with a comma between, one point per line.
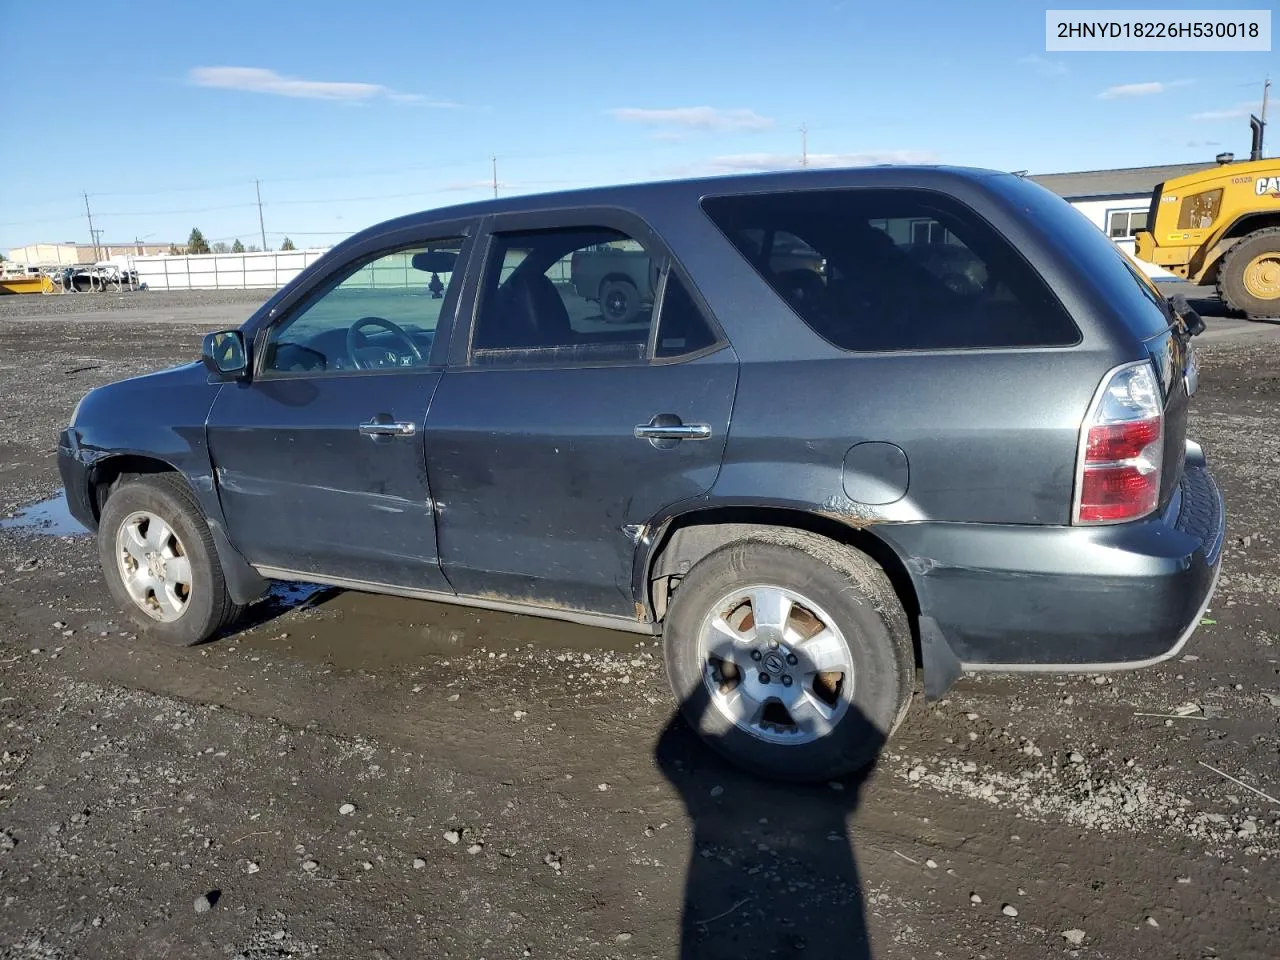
x=376, y=428
x=666, y=430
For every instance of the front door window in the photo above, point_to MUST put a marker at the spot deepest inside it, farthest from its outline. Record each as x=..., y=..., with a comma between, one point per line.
x=382, y=315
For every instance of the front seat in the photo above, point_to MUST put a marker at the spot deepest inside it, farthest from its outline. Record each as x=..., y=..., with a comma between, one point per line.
x=530, y=313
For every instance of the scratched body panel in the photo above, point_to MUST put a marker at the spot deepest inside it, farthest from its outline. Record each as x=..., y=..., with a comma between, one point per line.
x=542, y=483
x=303, y=490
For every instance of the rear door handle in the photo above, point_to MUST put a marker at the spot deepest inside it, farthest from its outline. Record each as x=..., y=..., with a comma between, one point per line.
x=375, y=428
x=682, y=431
x=667, y=426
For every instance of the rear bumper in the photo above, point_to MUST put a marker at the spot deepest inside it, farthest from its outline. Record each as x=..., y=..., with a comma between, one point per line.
x=1071, y=599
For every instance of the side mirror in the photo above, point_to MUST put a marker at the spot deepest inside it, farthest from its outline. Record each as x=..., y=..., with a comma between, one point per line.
x=224, y=356
x=1190, y=318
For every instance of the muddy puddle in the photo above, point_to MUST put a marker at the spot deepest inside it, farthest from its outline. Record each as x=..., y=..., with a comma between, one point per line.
x=48, y=518
x=361, y=631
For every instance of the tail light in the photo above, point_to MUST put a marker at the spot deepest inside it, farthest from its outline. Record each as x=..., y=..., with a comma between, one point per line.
x=1121, y=449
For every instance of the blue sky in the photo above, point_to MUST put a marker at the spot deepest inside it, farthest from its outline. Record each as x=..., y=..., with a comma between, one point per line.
x=350, y=113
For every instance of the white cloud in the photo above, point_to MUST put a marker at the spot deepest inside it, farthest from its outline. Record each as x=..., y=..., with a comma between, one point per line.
x=759, y=162
x=262, y=80
x=694, y=118
x=1046, y=68
x=1228, y=113
x=1141, y=89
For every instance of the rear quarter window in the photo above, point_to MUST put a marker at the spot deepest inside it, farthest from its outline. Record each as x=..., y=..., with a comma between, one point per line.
x=888, y=270
x=1135, y=300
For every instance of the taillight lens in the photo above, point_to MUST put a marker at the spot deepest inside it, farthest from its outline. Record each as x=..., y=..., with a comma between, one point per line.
x=1122, y=449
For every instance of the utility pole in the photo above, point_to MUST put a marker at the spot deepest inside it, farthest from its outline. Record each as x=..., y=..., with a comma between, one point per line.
x=494, y=158
x=804, y=144
x=257, y=188
x=93, y=234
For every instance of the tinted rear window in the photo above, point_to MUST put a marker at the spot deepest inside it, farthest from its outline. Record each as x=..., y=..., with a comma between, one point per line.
x=873, y=270
x=1135, y=299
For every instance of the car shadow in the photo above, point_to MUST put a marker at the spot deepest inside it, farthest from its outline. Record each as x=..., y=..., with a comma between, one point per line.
x=771, y=871
x=1213, y=307
x=279, y=600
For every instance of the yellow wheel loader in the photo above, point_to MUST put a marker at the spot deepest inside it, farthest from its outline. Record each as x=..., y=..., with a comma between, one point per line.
x=1221, y=227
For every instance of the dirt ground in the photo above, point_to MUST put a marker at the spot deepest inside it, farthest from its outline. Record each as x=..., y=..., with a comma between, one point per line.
x=355, y=776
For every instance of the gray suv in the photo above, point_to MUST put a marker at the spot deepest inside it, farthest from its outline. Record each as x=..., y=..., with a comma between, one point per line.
x=811, y=483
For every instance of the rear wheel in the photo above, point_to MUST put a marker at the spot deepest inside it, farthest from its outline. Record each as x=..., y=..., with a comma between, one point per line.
x=160, y=563
x=790, y=655
x=619, y=301
x=1249, y=278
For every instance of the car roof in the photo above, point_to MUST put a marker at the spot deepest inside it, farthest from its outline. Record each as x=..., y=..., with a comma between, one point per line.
x=646, y=195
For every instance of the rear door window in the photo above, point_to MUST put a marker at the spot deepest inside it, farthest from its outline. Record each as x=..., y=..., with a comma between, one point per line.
x=582, y=296
x=875, y=270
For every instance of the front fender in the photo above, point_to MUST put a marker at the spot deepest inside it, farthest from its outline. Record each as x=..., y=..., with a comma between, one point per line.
x=157, y=420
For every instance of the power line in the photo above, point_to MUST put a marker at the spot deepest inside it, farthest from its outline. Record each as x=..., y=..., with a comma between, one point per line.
x=28, y=223
x=349, y=174
x=376, y=196
x=165, y=213
x=310, y=233
x=196, y=188
x=445, y=188
x=355, y=174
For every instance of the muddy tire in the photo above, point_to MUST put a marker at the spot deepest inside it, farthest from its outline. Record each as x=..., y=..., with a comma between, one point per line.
x=1249, y=278
x=619, y=301
x=160, y=563
x=790, y=655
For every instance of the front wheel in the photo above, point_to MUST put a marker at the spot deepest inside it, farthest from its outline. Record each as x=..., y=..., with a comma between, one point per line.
x=160, y=564
x=790, y=655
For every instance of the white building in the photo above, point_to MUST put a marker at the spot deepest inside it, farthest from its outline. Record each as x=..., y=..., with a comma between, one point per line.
x=72, y=254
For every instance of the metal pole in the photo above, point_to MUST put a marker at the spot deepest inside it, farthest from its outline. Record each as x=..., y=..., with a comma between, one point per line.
x=494, y=158
x=1266, y=87
x=804, y=145
x=93, y=236
x=257, y=188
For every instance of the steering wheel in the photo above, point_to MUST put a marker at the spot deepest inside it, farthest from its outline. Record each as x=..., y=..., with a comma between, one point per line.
x=358, y=327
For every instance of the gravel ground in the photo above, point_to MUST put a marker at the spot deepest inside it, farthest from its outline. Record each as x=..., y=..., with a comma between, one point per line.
x=366, y=776
x=77, y=304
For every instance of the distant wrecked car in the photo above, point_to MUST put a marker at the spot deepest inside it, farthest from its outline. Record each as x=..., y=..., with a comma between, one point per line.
x=806, y=472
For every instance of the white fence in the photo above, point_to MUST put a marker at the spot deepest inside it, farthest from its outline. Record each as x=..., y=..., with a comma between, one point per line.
x=224, y=271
